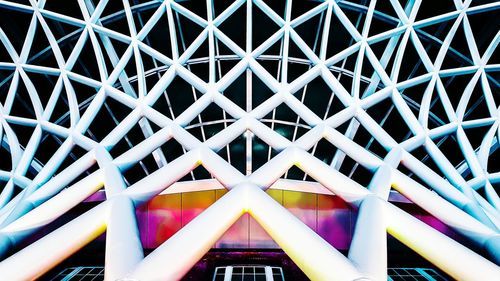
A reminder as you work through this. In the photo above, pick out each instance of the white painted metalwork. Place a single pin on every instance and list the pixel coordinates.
(454, 196)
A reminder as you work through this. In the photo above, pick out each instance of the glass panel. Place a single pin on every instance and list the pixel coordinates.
(219, 278)
(260, 278)
(260, 270)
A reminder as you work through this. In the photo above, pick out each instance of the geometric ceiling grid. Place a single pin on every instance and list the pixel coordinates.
(362, 97)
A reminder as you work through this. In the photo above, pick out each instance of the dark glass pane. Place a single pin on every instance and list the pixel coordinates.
(260, 270)
(219, 277)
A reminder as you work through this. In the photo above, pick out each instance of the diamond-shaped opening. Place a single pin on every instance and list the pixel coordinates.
(6, 76)
(150, 64)
(152, 77)
(178, 96)
(117, 110)
(301, 8)
(384, 53)
(429, 10)
(411, 65)
(278, 7)
(387, 20)
(115, 48)
(366, 140)
(317, 96)
(220, 6)
(22, 105)
(71, 9)
(286, 122)
(118, 22)
(22, 22)
(298, 62)
(475, 135)
(355, 171)
(4, 57)
(130, 72)
(233, 25)
(455, 87)
(437, 30)
(311, 30)
(345, 65)
(107, 118)
(437, 113)
(198, 63)
(186, 31)
(414, 95)
(261, 152)
(260, 90)
(60, 30)
(225, 58)
(86, 63)
(272, 64)
(368, 76)
(324, 151)
(6, 163)
(356, 17)
(450, 147)
(84, 94)
(458, 53)
(235, 152)
(339, 38)
(199, 173)
(60, 113)
(44, 85)
(140, 170)
(209, 122)
(483, 33)
(23, 133)
(49, 144)
(141, 17)
(390, 119)
(259, 34)
(124, 144)
(41, 51)
(237, 91)
(476, 106)
(493, 165)
(427, 36)
(172, 150)
(197, 8)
